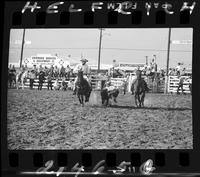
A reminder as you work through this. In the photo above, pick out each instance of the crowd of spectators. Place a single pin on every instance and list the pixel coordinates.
(52, 71)
(150, 70)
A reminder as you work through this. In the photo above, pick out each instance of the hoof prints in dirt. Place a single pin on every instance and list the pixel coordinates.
(55, 120)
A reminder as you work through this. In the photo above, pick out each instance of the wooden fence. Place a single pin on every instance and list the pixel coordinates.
(156, 86)
(173, 84)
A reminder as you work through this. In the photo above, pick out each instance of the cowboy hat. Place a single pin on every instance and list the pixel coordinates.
(83, 59)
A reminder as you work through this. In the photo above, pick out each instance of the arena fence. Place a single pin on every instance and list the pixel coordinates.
(156, 86)
(173, 82)
(96, 83)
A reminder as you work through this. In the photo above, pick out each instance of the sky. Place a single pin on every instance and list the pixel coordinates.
(129, 45)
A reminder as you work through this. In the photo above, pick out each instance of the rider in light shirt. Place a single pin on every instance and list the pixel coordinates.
(108, 85)
(86, 71)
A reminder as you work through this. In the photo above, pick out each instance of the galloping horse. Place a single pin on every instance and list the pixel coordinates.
(21, 78)
(138, 88)
(82, 88)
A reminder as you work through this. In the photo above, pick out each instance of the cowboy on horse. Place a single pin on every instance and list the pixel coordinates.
(86, 71)
(138, 88)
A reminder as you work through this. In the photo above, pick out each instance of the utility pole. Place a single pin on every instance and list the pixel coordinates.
(146, 60)
(22, 48)
(154, 58)
(167, 67)
(99, 57)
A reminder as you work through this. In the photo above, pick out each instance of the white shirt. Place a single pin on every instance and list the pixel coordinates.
(178, 68)
(85, 68)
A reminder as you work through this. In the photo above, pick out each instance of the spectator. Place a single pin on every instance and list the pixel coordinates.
(40, 68)
(13, 70)
(35, 68)
(51, 71)
(153, 66)
(56, 72)
(178, 69)
(56, 85)
(63, 84)
(32, 77)
(49, 81)
(46, 70)
(10, 66)
(183, 71)
(62, 71)
(41, 79)
(180, 84)
(173, 72)
(170, 73)
(22, 68)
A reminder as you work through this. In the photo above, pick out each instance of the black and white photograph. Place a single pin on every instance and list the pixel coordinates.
(100, 88)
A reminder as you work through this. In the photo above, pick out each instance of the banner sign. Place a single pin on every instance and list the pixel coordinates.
(132, 65)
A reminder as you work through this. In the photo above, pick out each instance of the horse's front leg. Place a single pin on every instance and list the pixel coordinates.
(79, 98)
(142, 99)
(107, 101)
(22, 85)
(139, 100)
(14, 83)
(82, 100)
(17, 84)
(136, 97)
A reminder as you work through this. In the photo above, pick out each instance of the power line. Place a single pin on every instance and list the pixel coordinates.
(48, 48)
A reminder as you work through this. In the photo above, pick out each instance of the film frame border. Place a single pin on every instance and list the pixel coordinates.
(163, 159)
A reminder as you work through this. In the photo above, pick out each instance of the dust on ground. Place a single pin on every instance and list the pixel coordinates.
(55, 120)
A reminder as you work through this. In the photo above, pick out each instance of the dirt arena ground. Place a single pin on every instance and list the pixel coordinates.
(55, 120)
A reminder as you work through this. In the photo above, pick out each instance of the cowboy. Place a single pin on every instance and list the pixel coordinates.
(40, 69)
(49, 81)
(41, 79)
(31, 78)
(178, 69)
(56, 71)
(62, 71)
(21, 71)
(51, 71)
(68, 71)
(180, 84)
(86, 71)
(108, 85)
(63, 84)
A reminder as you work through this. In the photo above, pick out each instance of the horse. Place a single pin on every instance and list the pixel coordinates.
(11, 78)
(82, 88)
(21, 78)
(138, 88)
(106, 95)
